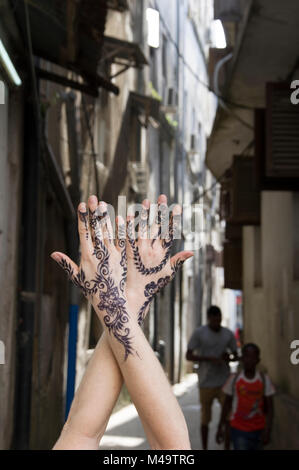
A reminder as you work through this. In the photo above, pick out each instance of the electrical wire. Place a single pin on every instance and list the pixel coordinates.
(94, 155)
(247, 148)
(218, 180)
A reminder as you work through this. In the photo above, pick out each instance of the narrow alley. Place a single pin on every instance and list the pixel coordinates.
(149, 224)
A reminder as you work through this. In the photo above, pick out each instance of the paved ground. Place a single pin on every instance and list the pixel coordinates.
(125, 430)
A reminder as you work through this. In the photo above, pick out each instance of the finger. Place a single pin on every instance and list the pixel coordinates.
(120, 235)
(96, 231)
(144, 220)
(131, 241)
(105, 223)
(84, 231)
(172, 227)
(155, 230)
(175, 229)
(177, 260)
(165, 221)
(70, 268)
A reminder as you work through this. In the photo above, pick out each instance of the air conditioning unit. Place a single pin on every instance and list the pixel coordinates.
(232, 263)
(171, 101)
(277, 140)
(193, 143)
(138, 175)
(240, 194)
(194, 166)
(208, 35)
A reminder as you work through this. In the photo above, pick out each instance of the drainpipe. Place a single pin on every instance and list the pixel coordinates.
(73, 246)
(218, 67)
(72, 349)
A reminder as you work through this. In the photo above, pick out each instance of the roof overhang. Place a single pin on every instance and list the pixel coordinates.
(123, 53)
(69, 34)
(266, 51)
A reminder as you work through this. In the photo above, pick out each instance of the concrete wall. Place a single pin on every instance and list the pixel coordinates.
(11, 138)
(271, 304)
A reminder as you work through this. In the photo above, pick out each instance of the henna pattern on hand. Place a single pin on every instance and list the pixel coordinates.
(161, 219)
(84, 218)
(93, 221)
(152, 288)
(123, 261)
(111, 300)
(136, 255)
(97, 220)
(87, 287)
(143, 224)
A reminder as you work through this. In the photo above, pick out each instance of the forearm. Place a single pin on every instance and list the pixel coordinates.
(87, 421)
(196, 358)
(225, 410)
(150, 390)
(94, 399)
(107, 274)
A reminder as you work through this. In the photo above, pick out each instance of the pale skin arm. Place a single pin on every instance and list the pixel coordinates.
(151, 392)
(87, 420)
(89, 416)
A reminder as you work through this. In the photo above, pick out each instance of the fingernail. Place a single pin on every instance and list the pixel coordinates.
(55, 257)
(177, 210)
(92, 200)
(82, 207)
(103, 206)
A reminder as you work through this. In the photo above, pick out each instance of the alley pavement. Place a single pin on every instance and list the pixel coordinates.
(125, 431)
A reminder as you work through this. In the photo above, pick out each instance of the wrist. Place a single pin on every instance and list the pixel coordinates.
(126, 308)
(134, 302)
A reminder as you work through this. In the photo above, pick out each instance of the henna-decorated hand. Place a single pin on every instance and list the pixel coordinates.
(103, 268)
(124, 276)
(150, 267)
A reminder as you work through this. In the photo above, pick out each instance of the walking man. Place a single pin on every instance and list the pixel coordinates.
(213, 343)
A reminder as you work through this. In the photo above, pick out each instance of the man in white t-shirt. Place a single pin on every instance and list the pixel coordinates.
(213, 343)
